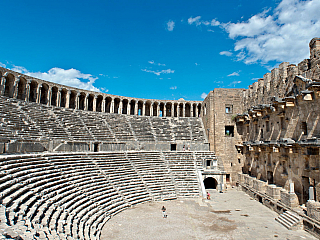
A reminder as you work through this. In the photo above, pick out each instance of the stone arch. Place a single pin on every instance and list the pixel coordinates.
(180, 110)
(108, 104)
(132, 107)
(22, 87)
(116, 105)
(82, 98)
(155, 107)
(44, 93)
(125, 103)
(187, 110)
(194, 110)
(140, 106)
(99, 103)
(298, 189)
(63, 101)
(210, 183)
(161, 108)
(54, 96)
(33, 91)
(199, 109)
(90, 102)
(148, 108)
(9, 85)
(73, 99)
(169, 109)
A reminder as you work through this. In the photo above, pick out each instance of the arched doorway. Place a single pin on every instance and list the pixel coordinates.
(210, 183)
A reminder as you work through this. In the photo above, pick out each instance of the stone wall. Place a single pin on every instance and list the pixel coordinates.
(219, 110)
(279, 127)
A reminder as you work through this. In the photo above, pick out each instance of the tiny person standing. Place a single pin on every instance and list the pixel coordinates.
(164, 211)
(208, 195)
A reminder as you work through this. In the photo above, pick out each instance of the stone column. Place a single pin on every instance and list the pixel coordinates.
(15, 89)
(197, 111)
(49, 96)
(143, 109)
(172, 109)
(191, 110)
(68, 99)
(86, 101)
(39, 93)
(164, 110)
(136, 108)
(291, 187)
(128, 108)
(59, 97)
(103, 107)
(94, 108)
(184, 110)
(3, 80)
(178, 110)
(158, 109)
(151, 109)
(112, 106)
(78, 100)
(27, 97)
(120, 107)
(311, 193)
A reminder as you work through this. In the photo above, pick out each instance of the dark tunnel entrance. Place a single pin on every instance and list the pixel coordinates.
(210, 183)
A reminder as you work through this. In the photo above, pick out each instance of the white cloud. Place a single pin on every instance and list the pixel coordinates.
(234, 83)
(197, 64)
(281, 35)
(234, 74)
(170, 25)
(154, 63)
(197, 22)
(70, 77)
(173, 88)
(2, 65)
(204, 95)
(226, 53)
(167, 71)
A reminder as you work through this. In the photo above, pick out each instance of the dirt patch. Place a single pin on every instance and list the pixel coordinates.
(221, 212)
(224, 219)
(222, 228)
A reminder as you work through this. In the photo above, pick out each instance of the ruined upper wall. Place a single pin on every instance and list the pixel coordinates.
(280, 81)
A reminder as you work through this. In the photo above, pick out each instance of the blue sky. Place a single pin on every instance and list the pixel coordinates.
(155, 49)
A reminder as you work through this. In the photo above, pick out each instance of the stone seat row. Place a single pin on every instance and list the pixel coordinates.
(32, 121)
(72, 196)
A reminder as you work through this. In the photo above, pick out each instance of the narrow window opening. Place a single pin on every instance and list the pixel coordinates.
(228, 178)
(96, 147)
(304, 128)
(208, 163)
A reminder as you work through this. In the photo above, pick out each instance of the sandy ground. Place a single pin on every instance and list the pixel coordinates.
(229, 215)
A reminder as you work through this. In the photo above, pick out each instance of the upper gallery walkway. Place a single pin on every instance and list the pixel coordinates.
(23, 87)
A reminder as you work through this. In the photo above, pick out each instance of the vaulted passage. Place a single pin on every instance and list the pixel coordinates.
(210, 183)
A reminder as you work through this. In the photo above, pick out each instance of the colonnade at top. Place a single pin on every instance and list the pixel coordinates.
(56, 95)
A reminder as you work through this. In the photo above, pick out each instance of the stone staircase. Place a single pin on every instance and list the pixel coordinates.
(290, 220)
